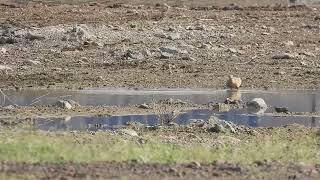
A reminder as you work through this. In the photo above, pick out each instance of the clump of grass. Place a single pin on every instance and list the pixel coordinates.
(82, 147)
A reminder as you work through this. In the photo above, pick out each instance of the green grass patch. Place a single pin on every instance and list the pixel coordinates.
(31, 146)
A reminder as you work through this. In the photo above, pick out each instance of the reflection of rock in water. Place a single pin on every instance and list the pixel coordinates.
(234, 95)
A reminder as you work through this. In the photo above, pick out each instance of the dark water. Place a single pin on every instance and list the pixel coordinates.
(295, 100)
(84, 123)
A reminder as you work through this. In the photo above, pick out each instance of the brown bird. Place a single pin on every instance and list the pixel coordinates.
(234, 82)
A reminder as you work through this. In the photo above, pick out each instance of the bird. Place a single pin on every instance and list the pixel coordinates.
(234, 83)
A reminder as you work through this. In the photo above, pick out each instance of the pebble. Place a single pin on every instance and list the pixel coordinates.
(235, 51)
(33, 62)
(3, 50)
(133, 55)
(281, 109)
(289, 43)
(144, 106)
(4, 67)
(64, 104)
(303, 63)
(166, 55)
(129, 132)
(174, 36)
(172, 50)
(283, 56)
(33, 37)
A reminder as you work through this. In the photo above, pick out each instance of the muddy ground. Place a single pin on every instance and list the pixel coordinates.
(134, 170)
(139, 44)
(131, 46)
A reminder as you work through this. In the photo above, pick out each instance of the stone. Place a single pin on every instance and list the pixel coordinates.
(234, 82)
(303, 63)
(33, 37)
(257, 106)
(280, 73)
(174, 36)
(283, 56)
(169, 50)
(133, 55)
(200, 27)
(289, 43)
(4, 67)
(144, 106)
(223, 140)
(7, 40)
(235, 51)
(79, 33)
(146, 53)
(217, 128)
(308, 54)
(9, 107)
(165, 55)
(129, 132)
(3, 50)
(33, 62)
(63, 104)
(281, 109)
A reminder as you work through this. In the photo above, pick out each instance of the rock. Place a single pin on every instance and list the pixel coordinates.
(280, 73)
(146, 53)
(174, 36)
(283, 56)
(78, 33)
(257, 105)
(204, 46)
(169, 50)
(234, 82)
(133, 55)
(308, 54)
(165, 55)
(33, 62)
(63, 104)
(144, 106)
(200, 27)
(33, 37)
(172, 50)
(265, 33)
(217, 128)
(229, 125)
(281, 109)
(10, 107)
(4, 67)
(288, 43)
(303, 63)
(235, 51)
(129, 132)
(3, 50)
(7, 40)
(225, 140)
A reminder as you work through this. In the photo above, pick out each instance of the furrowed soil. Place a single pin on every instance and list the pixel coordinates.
(156, 44)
